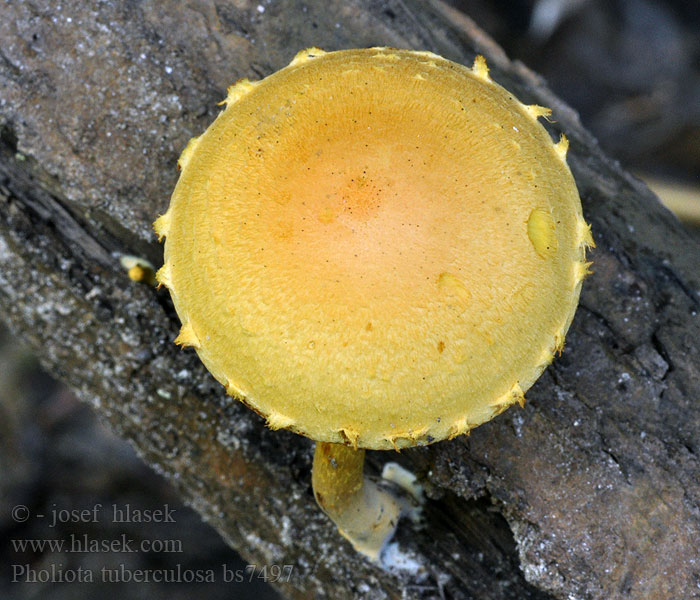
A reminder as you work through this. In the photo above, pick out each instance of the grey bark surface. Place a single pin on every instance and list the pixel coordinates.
(591, 491)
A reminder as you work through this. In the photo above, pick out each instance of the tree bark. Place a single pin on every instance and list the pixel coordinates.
(590, 491)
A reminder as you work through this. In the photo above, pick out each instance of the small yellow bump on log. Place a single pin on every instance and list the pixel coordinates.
(138, 269)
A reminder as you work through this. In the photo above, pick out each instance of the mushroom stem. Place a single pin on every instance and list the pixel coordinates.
(364, 513)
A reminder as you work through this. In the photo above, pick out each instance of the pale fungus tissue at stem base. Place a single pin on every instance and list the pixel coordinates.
(377, 249)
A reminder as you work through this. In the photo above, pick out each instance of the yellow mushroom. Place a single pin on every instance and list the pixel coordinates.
(377, 249)
(138, 269)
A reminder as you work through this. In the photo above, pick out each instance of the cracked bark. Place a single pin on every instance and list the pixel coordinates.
(591, 491)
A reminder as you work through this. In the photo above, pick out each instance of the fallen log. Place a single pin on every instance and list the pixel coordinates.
(590, 491)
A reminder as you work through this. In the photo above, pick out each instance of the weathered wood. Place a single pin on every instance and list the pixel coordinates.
(591, 491)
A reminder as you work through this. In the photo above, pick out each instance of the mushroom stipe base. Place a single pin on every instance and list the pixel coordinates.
(378, 249)
(365, 513)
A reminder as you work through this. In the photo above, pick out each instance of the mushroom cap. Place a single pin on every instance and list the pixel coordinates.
(375, 247)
